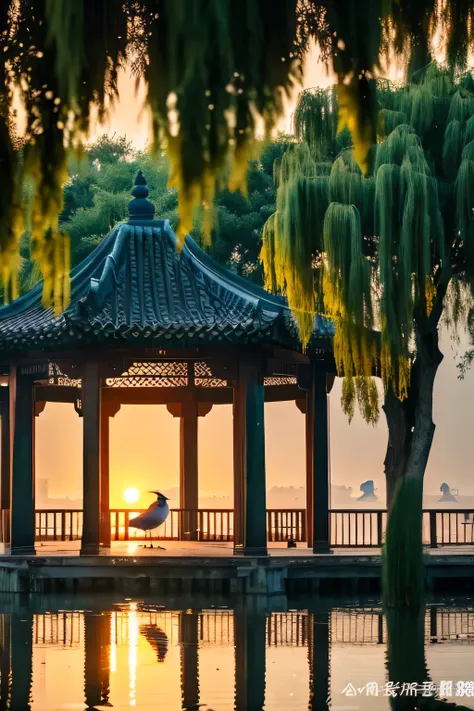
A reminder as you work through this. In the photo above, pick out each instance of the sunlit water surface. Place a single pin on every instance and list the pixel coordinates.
(137, 654)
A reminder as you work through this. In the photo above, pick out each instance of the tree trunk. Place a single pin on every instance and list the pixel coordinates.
(403, 568)
(397, 414)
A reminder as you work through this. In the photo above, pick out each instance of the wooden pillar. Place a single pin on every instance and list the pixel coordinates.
(22, 534)
(96, 664)
(250, 657)
(5, 452)
(309, 469)
(319, 660)
(105, 477)
(91, 458)
(188, 640)
(250, 535)
(433, 625)
(5, 467)
(21, 661)
(188, 478)
(5, 661)
(320, 459)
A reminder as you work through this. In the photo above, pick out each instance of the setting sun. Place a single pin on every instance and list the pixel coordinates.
(131, 495)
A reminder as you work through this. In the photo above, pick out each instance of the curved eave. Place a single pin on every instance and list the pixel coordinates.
(228, 309)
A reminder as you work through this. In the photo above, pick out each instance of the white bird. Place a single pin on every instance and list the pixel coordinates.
(155, 515)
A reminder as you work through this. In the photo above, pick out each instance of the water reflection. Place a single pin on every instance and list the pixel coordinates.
(136, 654)
(97, 659)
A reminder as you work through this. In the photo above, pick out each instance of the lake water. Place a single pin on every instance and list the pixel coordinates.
(131, 653)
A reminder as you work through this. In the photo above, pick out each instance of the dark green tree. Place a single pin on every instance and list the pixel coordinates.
(97, 193)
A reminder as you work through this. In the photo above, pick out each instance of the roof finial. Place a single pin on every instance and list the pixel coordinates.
(140, 208)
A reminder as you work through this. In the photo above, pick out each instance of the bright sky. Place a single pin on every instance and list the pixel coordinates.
(145, 440)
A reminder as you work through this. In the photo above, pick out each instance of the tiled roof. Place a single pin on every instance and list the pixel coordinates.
(136, 287)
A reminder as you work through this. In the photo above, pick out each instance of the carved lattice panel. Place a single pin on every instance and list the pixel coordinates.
(158, 369)
(280, 380)
(155, 374)
(204, 378)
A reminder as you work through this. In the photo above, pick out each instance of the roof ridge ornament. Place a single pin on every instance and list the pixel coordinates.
(140, 208)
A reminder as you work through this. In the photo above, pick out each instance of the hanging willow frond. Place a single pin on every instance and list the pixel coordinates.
(388, 237)
(419, 106)
(44, 51)
(211, 67)
(297, 283)
(205, 75)
(465, 208)
(461, 107)
(315, 120)
(458, 17)
(292, 236)
(388, 120)
(452, 148)
(469, 130)
(89, 39)
(387, 205)
(345, 181)
(356, 103)
(393, 149)
(347, 272)
(367, 398)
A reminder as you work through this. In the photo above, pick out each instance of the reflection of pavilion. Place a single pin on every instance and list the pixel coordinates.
(249, 640)
(150, 325)
(249, 632)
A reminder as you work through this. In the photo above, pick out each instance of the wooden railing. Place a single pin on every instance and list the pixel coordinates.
(58, 525)
(361, 626)
(356, 528)
(451, 528)
(349, 528)
(353, 528)
(284, 525)
(181, 525)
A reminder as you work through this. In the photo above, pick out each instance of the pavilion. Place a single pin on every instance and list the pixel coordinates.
(149, 323)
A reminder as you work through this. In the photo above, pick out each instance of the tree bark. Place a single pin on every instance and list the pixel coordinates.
(428, 360)
(397, 415)
(411, 431)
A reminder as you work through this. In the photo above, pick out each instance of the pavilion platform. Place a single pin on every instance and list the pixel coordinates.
(211, 568)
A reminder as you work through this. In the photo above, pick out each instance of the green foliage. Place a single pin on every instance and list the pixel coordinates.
(388, 120)
(315, 120)
(453, 148)
(293, 235)
(210, 67)
(97, 194)
(387, 234)
(205, 68)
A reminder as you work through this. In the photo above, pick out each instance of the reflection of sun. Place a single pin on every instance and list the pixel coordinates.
(131, 495)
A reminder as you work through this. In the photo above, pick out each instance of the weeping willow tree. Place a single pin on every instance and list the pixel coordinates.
(378, 253)
(212, 69)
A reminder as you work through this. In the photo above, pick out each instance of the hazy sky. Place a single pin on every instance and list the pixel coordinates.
(145, 440)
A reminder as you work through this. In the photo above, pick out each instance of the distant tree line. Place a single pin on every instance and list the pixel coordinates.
(97, 194)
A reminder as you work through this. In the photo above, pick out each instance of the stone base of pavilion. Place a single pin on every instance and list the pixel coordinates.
(191, 567)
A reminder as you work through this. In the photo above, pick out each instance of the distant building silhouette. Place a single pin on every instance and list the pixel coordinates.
(447, 495)
(368, 491)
